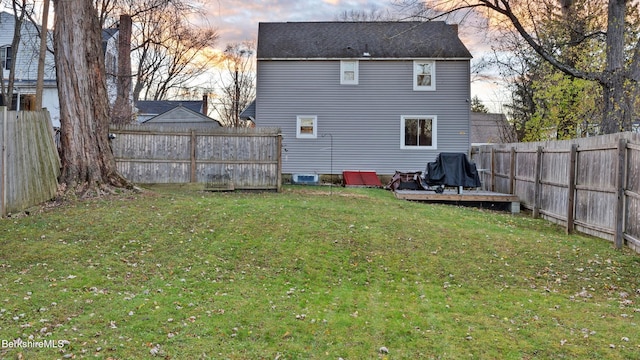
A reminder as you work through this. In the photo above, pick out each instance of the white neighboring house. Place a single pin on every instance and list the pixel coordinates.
(27, 67)
(110, 50)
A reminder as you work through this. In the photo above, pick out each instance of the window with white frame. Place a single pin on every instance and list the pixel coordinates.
(349, 72)
(424, 75)
(418, 132)
(307, 126)
(6, 55)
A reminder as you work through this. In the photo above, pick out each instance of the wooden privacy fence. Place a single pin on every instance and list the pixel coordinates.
(591, 185)
(214, 159)
(29, 164)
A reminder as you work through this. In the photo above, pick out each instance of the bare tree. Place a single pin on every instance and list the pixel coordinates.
(620, 73)
(88, 165)
(168, 52)
(42, 53)
(21, 9)
(372, 14)
(238, 79)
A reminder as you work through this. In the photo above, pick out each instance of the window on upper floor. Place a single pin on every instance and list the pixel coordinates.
(6, 55)
(424, 75)
(418, 132)
(349, 72)
(307, 127)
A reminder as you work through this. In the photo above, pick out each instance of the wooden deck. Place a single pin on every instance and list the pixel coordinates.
(478, 198)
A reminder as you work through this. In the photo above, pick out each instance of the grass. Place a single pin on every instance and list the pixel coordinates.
(309, 273)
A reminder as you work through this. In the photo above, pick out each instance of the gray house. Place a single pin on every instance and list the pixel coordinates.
(183, 117)
(373, 96)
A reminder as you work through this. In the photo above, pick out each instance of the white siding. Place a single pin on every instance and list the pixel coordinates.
(27, 64)
(27, 60)
(363, 119)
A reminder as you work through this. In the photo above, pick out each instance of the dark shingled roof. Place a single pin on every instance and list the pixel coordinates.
(162, 106)
(249, 112)
(339, 40)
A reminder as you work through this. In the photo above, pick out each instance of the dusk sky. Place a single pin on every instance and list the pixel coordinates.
(237, 21)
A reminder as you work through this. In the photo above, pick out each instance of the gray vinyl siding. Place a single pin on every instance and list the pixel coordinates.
(364, 119)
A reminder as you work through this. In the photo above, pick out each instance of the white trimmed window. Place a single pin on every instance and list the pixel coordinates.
(349, 72)
(6, 55)
(424, 75)
(307, 127)
(418, 132)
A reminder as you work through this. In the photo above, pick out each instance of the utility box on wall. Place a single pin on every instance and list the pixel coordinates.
(305, 179)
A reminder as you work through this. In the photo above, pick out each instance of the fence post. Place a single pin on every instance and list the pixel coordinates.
(536, 183)
(571, 188)
(3, 166)
(620, 185)
(279, 175)
(512, 171)
(193, 157)
(493, 169)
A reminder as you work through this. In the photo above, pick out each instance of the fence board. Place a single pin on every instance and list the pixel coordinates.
(594, 209)
(216, 158)
(632, 196)
(29, 165)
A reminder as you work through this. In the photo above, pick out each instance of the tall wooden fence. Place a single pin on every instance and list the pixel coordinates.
(29, 164)
(215, 159)
(591, 185)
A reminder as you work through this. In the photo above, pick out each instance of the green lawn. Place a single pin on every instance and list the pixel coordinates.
(308, 273)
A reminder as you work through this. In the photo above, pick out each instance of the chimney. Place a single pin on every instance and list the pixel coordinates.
(205, 105)
(122, 109)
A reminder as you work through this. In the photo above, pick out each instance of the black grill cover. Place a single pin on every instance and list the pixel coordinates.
(452, 169)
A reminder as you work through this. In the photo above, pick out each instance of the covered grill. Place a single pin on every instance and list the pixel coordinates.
(448, 170)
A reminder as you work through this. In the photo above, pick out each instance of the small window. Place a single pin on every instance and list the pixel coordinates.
(418, 132)
(349, 72)
(6, 55)
(307, 127)
(424, 75)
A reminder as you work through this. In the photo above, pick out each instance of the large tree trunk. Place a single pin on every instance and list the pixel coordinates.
(616, 114)
(87, 161)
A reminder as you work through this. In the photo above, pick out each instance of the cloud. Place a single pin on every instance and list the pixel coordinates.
(237, 21)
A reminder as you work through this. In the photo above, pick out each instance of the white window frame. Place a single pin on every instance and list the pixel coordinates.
(6, 55)
(417, 67)
(434, 132)
(344, 68)
(299, 124)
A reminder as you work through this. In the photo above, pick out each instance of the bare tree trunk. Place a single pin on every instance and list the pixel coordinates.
(42, 54)
(88, 164)
(15, 44)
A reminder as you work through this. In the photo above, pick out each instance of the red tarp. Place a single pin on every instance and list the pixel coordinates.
(361, 178)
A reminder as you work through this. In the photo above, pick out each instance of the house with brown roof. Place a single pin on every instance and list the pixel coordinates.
(376, 96)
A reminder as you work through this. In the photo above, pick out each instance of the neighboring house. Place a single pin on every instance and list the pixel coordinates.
(489, 128)
(375, 96)
(146, 109)
(248, 115)
(176, 113)
(26, 70)
(110, 50)
(181, 116)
